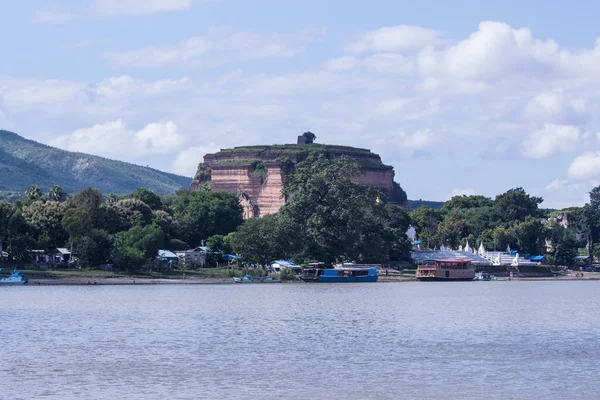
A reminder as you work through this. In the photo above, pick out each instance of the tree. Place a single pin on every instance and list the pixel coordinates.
(200, 215)
(55, 193)
(88, 200)
(516, 205)
(453, 229)
(266, 239)
(134, 211)
(45, 220)
(219, 243)
(425, 221)
(529, 235)
(151, 199)
(6, 212)
(111, 199)
(138, 246)
(19, 242)
(93, 249)
(467, 202)
(33, 192)
(77, 223)
(335, 218)
(564, 243)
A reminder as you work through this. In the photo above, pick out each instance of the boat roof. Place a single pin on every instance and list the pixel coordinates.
(448, 261)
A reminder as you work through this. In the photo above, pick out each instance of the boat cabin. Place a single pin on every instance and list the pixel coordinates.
(445, 270)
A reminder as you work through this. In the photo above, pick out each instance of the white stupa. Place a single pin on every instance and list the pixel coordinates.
(460, 248)
(508, 248)
(481, 249)
(468, 248)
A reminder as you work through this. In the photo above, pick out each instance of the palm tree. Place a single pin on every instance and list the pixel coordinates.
(111, 199)
(33, 192)
(56, 193)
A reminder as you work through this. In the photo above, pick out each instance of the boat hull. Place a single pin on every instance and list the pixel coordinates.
(339, 279)
(443, 279)
(6, 282)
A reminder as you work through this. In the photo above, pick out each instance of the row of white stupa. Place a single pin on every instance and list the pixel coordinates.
(495, 257)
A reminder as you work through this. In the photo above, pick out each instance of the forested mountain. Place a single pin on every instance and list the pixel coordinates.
(24, 162)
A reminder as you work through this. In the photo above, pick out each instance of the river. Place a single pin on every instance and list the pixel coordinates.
(473, 340)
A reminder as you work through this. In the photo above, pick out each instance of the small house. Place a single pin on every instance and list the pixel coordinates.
(63, 255)
(582, 261)
(168, 256)
(278, 265)
(193, 257)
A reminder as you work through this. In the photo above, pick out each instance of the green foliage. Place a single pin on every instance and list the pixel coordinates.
(93, 249)
(328, 217)
(137, 246)
(516, 205)
(33, 192)
(467, 202)
(453, 229)
(398, 195)
(24, 162)
(425, 221)
(88, 200)
(204, 214)
(77, 222)
(44, 219)
(55, 193)
(219, 243)
(203, 173)
(150, 198)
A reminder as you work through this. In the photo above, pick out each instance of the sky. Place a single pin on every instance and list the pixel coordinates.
(461, 97)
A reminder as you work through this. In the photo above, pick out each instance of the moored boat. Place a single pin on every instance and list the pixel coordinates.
(445, 270)
(16, 278)
(348, 275)
(256, 279)
(482, 276)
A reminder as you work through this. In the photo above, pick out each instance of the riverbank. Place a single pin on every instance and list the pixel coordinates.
(199, 279)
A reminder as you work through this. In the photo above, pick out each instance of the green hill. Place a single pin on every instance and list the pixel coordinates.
(24, 162)
(414, 204)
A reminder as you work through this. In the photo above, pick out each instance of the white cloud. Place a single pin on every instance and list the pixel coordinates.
(26, 93)
(419, 140)
(187, 160)
(585, 166)
(551, 139)
(463, 192)
(137, 7)
(493, 51)
(219, 46)
(393, 38)
(557, 184)
(556, 107)
(51, 15)
(114, 139)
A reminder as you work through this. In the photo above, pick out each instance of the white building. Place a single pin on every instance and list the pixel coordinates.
(193, 257)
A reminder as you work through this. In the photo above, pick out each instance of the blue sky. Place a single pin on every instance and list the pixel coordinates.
(460, 97)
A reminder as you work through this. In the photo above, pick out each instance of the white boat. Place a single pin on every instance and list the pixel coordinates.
(16, 278)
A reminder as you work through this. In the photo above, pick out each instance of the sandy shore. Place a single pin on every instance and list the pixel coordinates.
(127, 281)
(215, 281)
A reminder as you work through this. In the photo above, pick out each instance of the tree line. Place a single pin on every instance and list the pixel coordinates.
(513, 219)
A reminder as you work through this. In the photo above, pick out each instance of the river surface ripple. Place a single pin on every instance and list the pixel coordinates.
(472, 340)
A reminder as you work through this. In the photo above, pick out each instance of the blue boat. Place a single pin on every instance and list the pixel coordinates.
(349, 275)
(16, 278)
